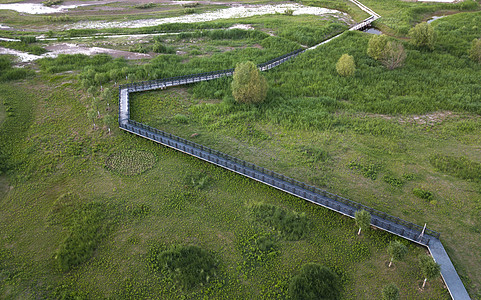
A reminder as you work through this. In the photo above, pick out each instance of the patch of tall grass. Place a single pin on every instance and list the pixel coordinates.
(460, 167)
(292, 225)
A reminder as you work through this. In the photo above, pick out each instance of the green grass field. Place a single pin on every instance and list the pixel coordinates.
(85, 214)
(59, 154)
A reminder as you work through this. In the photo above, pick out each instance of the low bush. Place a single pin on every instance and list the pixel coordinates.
(423, 194)
(315, 282)
(292, 225)
(393, 181)
(188, 266)
(145, 5)
(369, 170)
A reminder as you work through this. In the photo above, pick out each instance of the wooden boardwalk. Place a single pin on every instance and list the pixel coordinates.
(344, 206)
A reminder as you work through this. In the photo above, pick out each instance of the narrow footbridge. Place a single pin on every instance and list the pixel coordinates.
(379, 219)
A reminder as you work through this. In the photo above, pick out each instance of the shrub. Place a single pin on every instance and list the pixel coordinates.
(423, 35)
(161, 48)
(423, 194)
(376, 46)
(5, 62)
(28, 39)
(145, 5)
(390, 292)
(345, 66)
(390, 53)
(475, 50)
(248, 85)
(292, 225)
(393, 181)
(315, 282)
(394, 55)
(188, 266)
(289, 12)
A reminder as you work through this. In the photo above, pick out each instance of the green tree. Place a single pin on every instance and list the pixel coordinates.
(346, 66)
(396, 250)
(390, 53)
(108, 121)
(363, 220)
(423, 35)
(92, 115)
(376, 46)
(248, 85)
(394, 55)
(475, 50)
(390, 292)
(429, 268)
(315, 282)
(105, 96)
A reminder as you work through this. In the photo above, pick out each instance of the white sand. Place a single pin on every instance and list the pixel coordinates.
(36, 8)
(67, 48)
(227, 13)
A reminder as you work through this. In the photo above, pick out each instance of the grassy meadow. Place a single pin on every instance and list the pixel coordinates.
(69, 181)
(88, 214)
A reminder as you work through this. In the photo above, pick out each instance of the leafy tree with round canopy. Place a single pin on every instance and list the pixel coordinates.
(376, 46)
(390, 292)
(429, 268)
(396, 250)
(475, 50)
(390, 53)
(315, 282)
(423, 35)
(346, 66)
(248, 85)
(363, 220)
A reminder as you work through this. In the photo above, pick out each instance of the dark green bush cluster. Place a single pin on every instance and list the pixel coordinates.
(260, 248)
(28, 39)
(222, 34)
(315, 282)
(369, 170)
(86, 231)
(145, 5)
(292, 225)
(52, 2)
(7, 73)
(423, 194)
(393, 181)
(157, 47)
(25, 47)
(460, 167)
(188, 266)
(59, 18)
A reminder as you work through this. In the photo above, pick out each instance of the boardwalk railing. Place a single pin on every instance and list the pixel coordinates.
(332, 201)
(405, 229)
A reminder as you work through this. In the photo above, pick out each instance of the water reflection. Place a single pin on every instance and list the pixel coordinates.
(373, 31)
(434, 18)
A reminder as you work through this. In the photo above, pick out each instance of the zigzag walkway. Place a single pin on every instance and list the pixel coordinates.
(394, 225)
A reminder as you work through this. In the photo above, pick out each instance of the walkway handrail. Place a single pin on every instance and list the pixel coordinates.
(353, 204)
